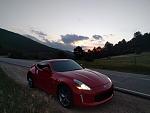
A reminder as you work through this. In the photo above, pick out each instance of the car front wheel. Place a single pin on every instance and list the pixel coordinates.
(65, 96)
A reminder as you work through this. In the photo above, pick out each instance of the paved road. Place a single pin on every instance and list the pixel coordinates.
(130, 81)
(135, 82)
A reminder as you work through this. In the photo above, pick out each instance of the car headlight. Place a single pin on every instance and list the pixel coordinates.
(109, 79)
(81, 85)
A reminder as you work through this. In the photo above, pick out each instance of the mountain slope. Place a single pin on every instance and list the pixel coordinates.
(15, 45)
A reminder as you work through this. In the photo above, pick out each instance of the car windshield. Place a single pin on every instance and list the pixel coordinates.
(65, 65)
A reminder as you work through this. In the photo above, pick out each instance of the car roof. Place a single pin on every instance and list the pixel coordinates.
(53, 60)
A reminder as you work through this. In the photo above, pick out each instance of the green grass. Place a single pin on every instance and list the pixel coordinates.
(124, 63)
(15, 98)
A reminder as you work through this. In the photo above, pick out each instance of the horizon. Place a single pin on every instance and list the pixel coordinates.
(67, 23)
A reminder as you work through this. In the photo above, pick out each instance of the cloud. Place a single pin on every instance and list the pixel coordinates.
(39, 33)
(109, 35)
(59, 45)
(32, 37)
(52, 44)
(70, 38)
(97, 37)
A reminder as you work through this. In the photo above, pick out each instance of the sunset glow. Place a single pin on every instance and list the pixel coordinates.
(112, 20)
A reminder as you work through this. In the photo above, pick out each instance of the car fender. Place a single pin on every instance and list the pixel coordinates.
(66, 81)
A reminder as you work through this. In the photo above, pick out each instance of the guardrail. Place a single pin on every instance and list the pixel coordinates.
(123, 90)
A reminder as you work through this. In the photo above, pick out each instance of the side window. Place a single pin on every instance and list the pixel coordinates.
(46, 66)
(42, 66)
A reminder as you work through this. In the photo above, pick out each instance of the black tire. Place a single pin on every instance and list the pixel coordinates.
(65, 96)
(30, 82)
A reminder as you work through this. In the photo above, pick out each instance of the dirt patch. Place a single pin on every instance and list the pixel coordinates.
(121, 103)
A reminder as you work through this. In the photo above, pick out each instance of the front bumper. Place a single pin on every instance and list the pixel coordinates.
(96, 96)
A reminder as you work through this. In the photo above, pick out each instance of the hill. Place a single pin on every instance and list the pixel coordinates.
(18, 46)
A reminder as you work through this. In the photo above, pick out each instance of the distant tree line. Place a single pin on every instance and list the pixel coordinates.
(138, 44)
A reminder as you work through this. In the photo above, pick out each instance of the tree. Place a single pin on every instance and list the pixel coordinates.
(108, 45)
(108, 48)
(99, 49)
(120, 48)
(137, 34)
(88, 56)
(78, 52)
(138, 42)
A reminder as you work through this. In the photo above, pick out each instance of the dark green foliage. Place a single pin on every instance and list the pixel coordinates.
(138, 44)
(88, 57)
(78, 52)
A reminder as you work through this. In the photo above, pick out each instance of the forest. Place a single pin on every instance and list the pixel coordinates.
(138, 44)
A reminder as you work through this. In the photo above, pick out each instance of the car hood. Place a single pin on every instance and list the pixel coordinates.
(87, 76)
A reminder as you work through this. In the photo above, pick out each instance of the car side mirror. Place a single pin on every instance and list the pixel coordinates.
(47, 69)
(82, 66)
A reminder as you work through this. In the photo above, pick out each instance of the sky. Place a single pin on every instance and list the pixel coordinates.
(66, 24)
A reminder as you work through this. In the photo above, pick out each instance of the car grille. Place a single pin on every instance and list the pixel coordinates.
(104, 95)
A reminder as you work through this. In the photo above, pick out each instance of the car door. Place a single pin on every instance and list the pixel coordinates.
(45, 79)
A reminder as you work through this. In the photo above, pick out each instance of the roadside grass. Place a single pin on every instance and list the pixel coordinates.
(125, 63)
(15, 98)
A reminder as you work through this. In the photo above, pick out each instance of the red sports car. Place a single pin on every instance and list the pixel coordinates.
(72, 84)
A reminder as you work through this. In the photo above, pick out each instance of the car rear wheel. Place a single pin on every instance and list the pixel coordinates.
(65, 96)
(30, 82)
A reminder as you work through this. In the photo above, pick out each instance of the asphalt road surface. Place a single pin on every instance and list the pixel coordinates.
(135, 82)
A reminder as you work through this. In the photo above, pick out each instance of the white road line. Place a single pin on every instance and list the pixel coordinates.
(127, 76)
(136, 93)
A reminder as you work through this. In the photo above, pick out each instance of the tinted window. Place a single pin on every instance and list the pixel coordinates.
(41, 66)
(65, 65)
